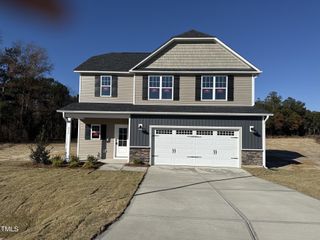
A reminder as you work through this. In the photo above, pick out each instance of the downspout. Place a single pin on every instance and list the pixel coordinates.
(264, 160)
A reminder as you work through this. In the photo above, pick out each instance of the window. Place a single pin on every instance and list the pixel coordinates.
(105, 86)
(95, 131)
(225, 133)
(183, 132)
(204, 132)
(160, 87)
(163, 131)
(214, 88)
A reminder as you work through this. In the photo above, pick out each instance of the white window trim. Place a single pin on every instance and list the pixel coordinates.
(96, 125)
(105, 85)
(214, 88)
(160, 88)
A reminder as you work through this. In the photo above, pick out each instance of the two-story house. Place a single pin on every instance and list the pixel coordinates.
(189, 102)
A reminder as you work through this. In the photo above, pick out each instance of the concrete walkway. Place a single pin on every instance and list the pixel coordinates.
(203, 203)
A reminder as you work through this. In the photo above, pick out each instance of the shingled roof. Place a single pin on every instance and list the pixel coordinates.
(117, 61)
(193, 34)
(130, 108)
(124, 61)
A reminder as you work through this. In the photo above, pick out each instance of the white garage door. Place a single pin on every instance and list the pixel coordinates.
(196, 147)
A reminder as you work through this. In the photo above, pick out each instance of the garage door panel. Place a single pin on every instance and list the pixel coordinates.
(184, 148)
(208, 147)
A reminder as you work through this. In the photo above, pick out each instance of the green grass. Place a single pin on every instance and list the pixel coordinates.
(61, 203)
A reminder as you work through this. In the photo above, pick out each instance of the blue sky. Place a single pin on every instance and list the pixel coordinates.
(279, 37)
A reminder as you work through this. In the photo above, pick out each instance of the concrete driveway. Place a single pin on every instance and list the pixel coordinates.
(208, 203)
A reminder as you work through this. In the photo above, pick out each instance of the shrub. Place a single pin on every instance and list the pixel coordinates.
(57, 161)
(89, 165)
(40, 154)
(74, 164)
(92, 159)
(138, 161)
(74, 158)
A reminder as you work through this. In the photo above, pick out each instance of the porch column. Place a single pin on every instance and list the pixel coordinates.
(68, 139)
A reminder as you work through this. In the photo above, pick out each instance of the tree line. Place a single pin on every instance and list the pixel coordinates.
(291, 117)
(28, 98)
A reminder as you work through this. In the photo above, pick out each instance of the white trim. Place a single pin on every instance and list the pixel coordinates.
(99, 125)
(151, 127)
(214, 89)
(110, 85)
(160, 88)
(195, 72)
(152, 54)
(264, 160)
(128, 142)
(84, 71)
(253, 91)
(238, 55)
(170, 113)
(78, 138)
(134, 90)
(116, 133)
(79, 88)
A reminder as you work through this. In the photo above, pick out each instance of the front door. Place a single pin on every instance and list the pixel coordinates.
(121, 141)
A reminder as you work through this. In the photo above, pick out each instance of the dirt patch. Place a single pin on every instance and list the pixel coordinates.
(21, 152)
(61, 203)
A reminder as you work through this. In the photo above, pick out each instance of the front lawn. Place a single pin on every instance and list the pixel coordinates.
(61, 203)
(303, 180)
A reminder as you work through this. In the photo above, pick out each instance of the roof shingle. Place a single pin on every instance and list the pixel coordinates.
(122, 62)
(117, 107)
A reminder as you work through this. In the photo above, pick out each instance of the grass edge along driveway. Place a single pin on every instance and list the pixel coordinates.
(61, 203)
(306, 181)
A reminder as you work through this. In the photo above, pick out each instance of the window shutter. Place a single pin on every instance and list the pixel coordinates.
(176, 91)
(114, 92)
(198, 88)
(103, 141)
(87, 132)
(97, 86)
(230, 88)
(103, 132)
(145, 87)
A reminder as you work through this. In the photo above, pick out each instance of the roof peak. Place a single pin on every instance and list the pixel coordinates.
(193, 34)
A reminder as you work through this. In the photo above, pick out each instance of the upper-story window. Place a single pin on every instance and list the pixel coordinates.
(214, 87)
(160, 87)
(105, 86)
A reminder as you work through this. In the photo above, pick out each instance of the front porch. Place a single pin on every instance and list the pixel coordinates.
(104, 136)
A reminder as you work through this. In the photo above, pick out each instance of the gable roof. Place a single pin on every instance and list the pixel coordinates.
(135, 61)
(117, 61)
(193, 34)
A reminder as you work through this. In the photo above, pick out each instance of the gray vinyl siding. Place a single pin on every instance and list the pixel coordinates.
(197, 56)
(93, 147)
(242, 93)
(249, 140)
(125, 90)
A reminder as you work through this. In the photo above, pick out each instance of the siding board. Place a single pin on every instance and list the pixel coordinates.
(93, 147)
(242, 93)
(197, 56)
(249, 140)
(124, 91)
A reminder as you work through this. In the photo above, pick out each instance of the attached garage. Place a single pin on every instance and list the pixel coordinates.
(196, 147)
